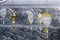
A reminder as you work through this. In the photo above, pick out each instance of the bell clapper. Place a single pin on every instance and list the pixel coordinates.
(46, 32)
(15, 29)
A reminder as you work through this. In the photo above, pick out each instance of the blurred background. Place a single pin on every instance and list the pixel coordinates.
(29, 31)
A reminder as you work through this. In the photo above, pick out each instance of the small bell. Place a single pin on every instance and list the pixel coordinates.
(30, 17)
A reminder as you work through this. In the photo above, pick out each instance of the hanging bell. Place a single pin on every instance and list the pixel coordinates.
(47, 18)
(39, 18)
(30, 17)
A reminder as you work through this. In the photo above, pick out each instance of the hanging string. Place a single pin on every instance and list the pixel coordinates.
(46, 4)
(13, 3)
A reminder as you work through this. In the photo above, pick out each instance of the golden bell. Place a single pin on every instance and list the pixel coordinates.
(13, 17)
